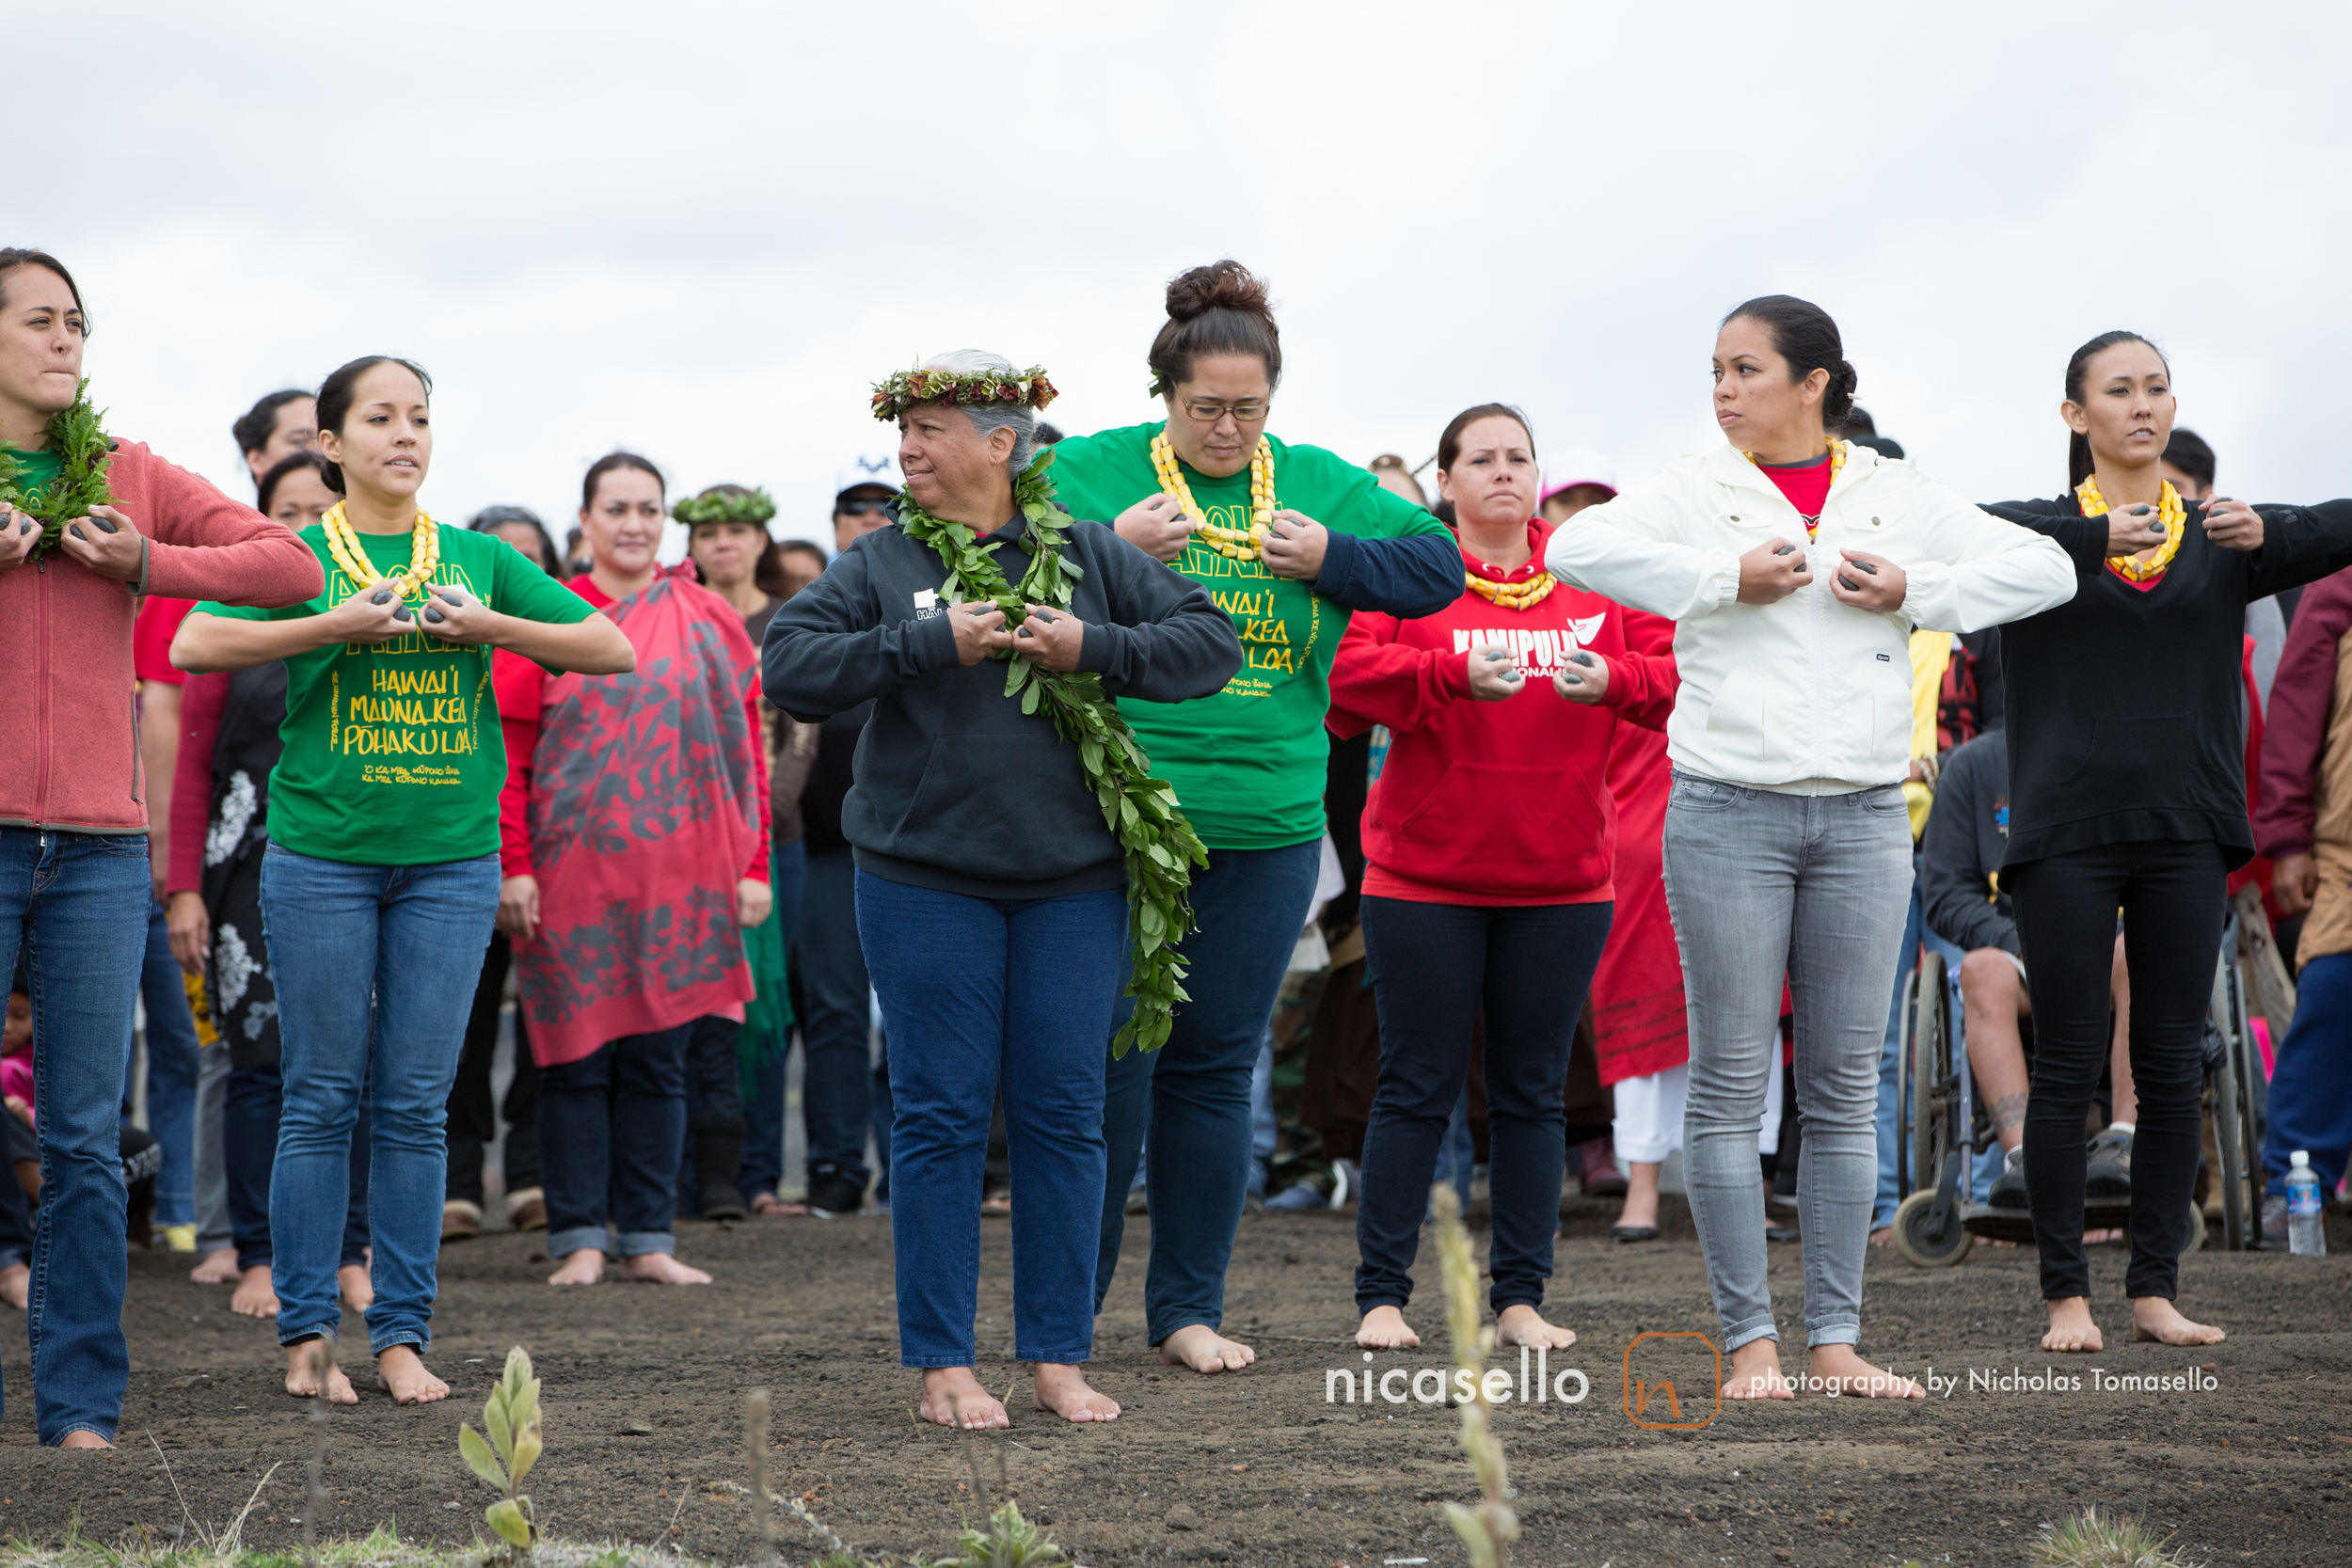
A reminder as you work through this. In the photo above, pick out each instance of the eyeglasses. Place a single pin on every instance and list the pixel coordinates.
(859, 509)
(1208, 411)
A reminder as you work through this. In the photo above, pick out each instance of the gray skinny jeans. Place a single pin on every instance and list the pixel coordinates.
(1815, 887)
(211, 1165)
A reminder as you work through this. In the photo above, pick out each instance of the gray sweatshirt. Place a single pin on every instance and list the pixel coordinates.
(955, 788)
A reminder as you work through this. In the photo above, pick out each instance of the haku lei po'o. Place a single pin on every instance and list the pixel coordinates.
(78, 437)
(1139, 810)
(2169, 511)
(425, 552)
(1231, 543)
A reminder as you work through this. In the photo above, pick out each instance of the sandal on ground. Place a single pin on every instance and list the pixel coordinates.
(460, 1221)
(1633, 1232)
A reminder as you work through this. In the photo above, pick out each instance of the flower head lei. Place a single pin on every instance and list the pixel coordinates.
(1141, 811)
(78, 437)
(725, 503)
(905, 389)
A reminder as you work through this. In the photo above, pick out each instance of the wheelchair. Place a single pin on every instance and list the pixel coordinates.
(1947, 1127)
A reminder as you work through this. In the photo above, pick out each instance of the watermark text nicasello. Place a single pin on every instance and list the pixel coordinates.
(1535, 1384)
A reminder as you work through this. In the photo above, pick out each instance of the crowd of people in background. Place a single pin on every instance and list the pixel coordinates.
(1602, 822)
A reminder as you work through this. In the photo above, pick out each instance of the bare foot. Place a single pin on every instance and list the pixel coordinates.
(1383, 1328)
(1840, 1368)
(1640, 1208)
(2071, 1328)
(1063, 1390)
(84, 1439)
(1524, 1326)
(584, 1267)
(660, 1267)
(359, 1290)
(1882, 1236)
(1756, 1373)
(400, 1372)
(1199, 1346)
(16, 1285)
(256, 1297)
(2100, 1238)
(2155, 1318)
(769, 1203)
(218, 1268)
(953, 1398)
(302, 1378)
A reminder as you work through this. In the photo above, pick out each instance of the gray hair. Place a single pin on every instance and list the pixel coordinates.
(1018, 417)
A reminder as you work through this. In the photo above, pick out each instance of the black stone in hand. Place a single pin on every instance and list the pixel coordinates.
(383, 595)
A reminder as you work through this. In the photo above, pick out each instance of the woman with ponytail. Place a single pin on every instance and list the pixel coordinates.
(1787, 844)
(2127, 790)
(381, 876)
(1288, 540)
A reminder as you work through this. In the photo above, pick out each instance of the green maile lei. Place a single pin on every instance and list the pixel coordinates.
(78, 437)
(750, 506)
(1139, 810)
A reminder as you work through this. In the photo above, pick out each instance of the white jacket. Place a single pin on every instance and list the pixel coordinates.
(1808, 694)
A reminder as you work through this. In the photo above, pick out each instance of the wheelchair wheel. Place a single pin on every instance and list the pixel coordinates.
(2225, 1101)
(1917, 1247)
(1908, 1024)
(1933, 1084)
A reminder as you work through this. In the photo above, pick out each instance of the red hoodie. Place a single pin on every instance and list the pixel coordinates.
(70, 756)
(1494, 803)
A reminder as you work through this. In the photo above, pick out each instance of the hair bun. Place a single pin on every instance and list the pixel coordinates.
(1225, 285)
(1848, 378)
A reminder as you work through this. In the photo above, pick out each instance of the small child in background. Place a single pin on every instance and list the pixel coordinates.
(19, 1151)
(16, 1058)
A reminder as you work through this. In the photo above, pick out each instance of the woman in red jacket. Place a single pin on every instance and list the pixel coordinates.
(1488, 840)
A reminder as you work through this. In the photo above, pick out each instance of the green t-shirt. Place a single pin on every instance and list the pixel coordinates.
(35, 468)
(393, 753)
(1248, 763)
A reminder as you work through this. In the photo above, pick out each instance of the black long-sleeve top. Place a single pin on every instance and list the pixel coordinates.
(2123, 711)
(956, 788)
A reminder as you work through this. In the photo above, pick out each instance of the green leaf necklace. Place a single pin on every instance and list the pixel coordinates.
(78, 437)
(1139, 810)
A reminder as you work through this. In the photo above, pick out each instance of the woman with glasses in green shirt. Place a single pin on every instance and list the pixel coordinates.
(1287, 540)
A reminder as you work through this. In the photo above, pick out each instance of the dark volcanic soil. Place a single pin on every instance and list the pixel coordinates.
(2256, 1468)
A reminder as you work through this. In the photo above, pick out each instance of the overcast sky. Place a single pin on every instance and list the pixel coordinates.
(701, 232)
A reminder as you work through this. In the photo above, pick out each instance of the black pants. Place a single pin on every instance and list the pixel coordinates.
(473, 1115)
(2171, 892)
(1432, 967)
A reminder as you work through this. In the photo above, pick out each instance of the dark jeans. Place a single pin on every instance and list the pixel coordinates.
(473, 1115)
(75, 905)
(172, 1067)
(2171, 892)
(763, 1114)
(248, 1120)
(1432, 967)
(982, 994)
(836, 1030)
(611, 1127)
(1192, 1095)
(2311, 1091)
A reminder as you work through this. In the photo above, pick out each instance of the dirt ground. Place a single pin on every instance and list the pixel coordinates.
(1257, 1468)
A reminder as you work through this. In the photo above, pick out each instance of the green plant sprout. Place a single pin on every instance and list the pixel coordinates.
(1010, 1542)
(512, 1415)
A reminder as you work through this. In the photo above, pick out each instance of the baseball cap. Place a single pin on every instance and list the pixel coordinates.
(1578, 465)
(874, 469)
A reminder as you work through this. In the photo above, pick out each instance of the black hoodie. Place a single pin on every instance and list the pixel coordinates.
(956, 788)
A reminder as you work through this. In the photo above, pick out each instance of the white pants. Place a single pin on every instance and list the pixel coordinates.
(1648, 1123)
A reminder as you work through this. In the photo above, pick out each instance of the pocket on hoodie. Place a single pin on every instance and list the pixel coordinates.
(991, 805)
(1515, 831)
(1739, 719)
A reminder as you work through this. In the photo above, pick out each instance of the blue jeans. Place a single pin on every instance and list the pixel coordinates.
(1192, 1095)
(249, 1116)
(837, 1032)
(417, 934)
(982, 994)
(2310, 1086)
(75, 905)
(611, 1131)
(172, 1067)
(763, 1114)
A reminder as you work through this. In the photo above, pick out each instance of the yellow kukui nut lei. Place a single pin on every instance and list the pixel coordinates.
(1231, 543)
(2169, 511)
(1513, 595)
(1836, 461)
(425, 552)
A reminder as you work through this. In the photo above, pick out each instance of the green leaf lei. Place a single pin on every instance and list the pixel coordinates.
(1139, 810)
(78, 437)
(744, 506)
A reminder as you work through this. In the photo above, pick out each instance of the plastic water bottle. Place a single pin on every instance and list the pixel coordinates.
(2306, 1235)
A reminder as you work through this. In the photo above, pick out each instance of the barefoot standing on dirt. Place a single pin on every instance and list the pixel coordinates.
(381, 879)
(992, 899)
